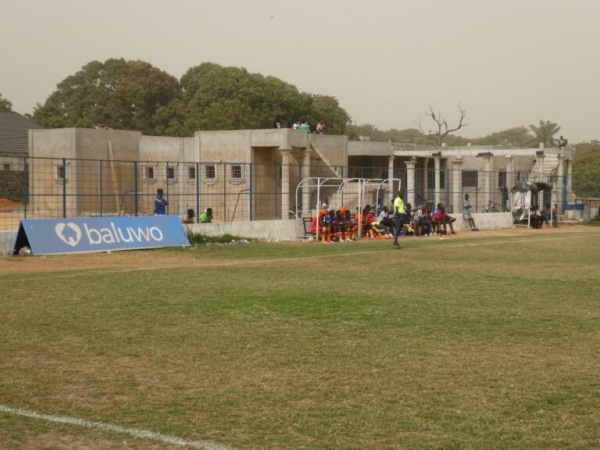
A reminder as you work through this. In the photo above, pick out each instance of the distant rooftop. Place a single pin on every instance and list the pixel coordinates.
(14, 133)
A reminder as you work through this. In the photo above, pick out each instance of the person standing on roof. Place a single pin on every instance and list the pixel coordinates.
(304, 126)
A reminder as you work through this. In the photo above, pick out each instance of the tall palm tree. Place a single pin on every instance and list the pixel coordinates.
(545, 132)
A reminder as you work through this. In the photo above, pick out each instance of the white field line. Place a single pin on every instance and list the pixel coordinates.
(144, 434)
(403, 249)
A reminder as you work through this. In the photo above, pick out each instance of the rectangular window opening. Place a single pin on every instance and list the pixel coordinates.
(469, 178)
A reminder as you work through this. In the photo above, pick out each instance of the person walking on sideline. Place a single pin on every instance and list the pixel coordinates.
(398, 217)
(160, 202)
(467, 213)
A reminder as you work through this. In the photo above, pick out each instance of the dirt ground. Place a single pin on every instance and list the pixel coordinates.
(147, 260)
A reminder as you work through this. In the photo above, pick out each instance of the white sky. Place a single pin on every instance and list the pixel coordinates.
(509, 63)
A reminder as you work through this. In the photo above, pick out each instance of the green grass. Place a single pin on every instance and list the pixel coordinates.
(487, 343)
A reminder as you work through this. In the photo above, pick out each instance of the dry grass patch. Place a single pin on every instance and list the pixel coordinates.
(468, 343)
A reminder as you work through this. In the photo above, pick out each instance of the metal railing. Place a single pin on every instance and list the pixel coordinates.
(63, 188)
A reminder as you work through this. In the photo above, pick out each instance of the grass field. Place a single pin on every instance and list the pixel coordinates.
(479, 341)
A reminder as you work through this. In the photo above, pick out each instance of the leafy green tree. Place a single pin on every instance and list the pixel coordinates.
(366, 130)
(328, 110)
(586, 169)
(544, 133)
(512, 137)
(117, 93)
(228, 98)
(5, 105)
(406, 136)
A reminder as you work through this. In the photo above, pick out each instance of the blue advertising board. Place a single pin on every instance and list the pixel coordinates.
(99, 234)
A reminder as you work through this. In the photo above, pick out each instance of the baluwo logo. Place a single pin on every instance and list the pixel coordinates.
(72, 234)
(69, 233)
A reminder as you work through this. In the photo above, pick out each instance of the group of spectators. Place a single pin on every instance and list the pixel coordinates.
(299, 125)
(342, 226)
(160, 209)
(205, 217)
(541, 219)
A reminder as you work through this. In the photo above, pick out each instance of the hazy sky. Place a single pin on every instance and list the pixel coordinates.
(508, 63)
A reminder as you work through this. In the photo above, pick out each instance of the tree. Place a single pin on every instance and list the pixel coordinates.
(134, 95)
(365, 130)
(512, 137)
(406, 136)
(544, 133)
(441, 129)
(586, 169)
(229, 98)
(328, 110)
(5, 105)
(119, 94)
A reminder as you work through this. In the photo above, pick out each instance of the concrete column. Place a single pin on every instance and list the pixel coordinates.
(510, 175)
(569, 175)
(425, 180)
(540, 177)
(410, 180)
(510, 179)
(487, 178)
(391, 180)
(456, 184)
(286, 158)
(436, 188)
(306, 206)
(559, 187)
(540, 159)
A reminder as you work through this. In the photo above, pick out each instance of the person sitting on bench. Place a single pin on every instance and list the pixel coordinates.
(441, 220)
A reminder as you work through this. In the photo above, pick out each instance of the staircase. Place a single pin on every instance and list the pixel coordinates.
(550, 165)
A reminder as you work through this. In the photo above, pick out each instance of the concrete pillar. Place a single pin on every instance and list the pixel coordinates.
(306, 187)
(540, 177)
(436, 188)
(488, 192)
(410, 180)
(457, 184)
(559, 187)
(391, 195)
(510, 174)
(510, 179)
(425, 178)
(569, 163)
(540, 159)
(286, 158)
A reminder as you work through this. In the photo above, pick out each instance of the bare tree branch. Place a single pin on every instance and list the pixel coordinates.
(441, 124)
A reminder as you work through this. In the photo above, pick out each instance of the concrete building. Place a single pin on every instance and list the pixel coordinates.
(124, 166)
(252, 166)
(445, 174)
(254, 179)
(14, 149)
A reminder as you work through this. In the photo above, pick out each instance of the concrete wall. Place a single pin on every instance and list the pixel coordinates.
(266, 230)
(334, 149)
(224, 146)
(7, 242)
(111, 177)
(287, 230)
(485, 221)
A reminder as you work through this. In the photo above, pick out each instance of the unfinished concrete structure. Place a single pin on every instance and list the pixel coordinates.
(445, 174)
(122, 165)
(75, 163)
